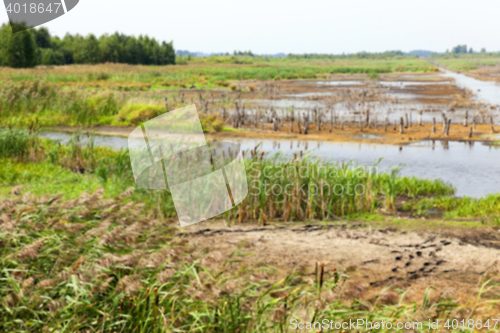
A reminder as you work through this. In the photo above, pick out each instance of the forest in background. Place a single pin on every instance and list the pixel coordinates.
(34, 47)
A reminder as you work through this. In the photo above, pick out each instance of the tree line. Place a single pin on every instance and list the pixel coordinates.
(34, 47)
(463, 49)
(359, 55)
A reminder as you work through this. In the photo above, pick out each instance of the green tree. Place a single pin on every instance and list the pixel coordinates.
(86, 50)
(167, 54)
(42, 38)
(37, 46)
(19, 49)
(51, 57)
(92, 49)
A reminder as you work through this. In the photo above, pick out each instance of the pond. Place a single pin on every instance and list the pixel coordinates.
(473, 168)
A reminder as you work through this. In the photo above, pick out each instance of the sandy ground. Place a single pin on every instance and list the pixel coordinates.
(454, 261)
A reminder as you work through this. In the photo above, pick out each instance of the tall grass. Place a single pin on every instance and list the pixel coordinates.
(16, 143)
(462, 207)
(298, 188)
(103, 94)
(25, 103)
(96, 265)
(102, 258)
(205, 70)
(467, 62)
(306, 188)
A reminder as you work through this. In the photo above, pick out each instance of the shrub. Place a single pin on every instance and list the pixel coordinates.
(139, 113)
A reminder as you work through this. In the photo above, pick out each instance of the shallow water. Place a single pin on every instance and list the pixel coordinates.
(114, 142)
(473, 169)
(410, 83)
(485, 91)
(341, 83)
(379, 110)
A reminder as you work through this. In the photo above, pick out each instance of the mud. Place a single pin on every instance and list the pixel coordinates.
(348, 97)
(350, 133)
(454, 261)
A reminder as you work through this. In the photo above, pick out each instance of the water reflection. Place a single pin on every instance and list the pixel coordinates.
(472, 167)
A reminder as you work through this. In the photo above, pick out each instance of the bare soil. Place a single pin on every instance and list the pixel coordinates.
(452, 260)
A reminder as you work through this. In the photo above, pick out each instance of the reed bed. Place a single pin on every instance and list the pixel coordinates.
(107, 94)
(299, 188)
(204, 70)
(306, 188)
(92, 264)
(467, 62)
(82, 250)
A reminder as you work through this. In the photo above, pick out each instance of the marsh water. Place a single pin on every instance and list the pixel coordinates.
(474, 169)
(400, 98)
(485, 91)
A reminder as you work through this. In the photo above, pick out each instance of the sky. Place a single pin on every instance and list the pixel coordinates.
(307, 26)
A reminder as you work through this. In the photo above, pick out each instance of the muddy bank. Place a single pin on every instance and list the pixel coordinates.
(452, 260)
(349, 133)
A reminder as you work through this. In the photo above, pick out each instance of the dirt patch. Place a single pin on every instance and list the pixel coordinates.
(453, 261)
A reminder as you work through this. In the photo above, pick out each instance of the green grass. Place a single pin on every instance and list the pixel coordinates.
(80, 266)
(123, 95)
(109, 260)
(308, 188)
(45, 178)
(25, 103)
(48, 168)
(467, 62)
(463, 207)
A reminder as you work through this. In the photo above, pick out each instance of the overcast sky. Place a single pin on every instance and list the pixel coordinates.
(307, 26)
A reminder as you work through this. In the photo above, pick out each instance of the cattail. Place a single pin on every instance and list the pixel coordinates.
(321, 274)
(335, 275)
(157, 300)
(316, 272)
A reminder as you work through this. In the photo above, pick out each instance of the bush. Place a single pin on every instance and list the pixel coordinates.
(139, 113)
(51, 57)
(15, 142)
(211, 124)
